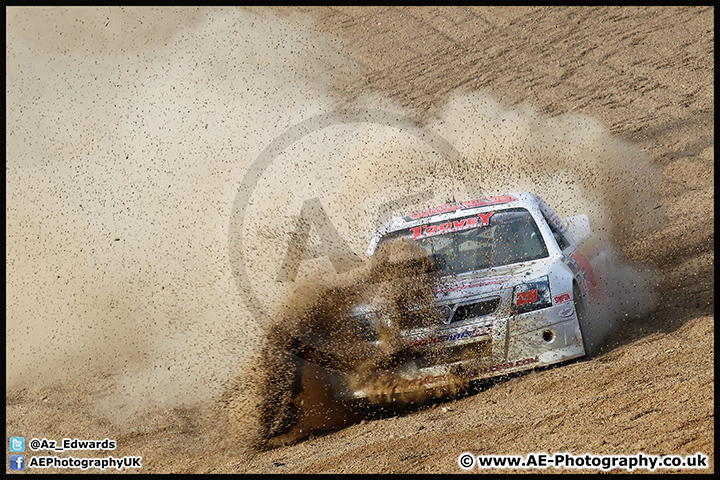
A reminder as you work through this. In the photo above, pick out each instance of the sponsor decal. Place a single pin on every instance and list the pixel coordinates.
(562, 298)
(425, 231)
(505, 366)
(529, 296)
(476, 282)
(566, 312)
(449, 337)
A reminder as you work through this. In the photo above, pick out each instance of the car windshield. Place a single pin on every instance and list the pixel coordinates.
(480, 241)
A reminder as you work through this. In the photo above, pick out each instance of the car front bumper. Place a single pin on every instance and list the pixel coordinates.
(514, 343)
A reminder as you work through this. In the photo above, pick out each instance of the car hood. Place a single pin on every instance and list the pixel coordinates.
(490, 280)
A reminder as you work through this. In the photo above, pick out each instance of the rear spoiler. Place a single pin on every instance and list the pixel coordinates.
(579, 227)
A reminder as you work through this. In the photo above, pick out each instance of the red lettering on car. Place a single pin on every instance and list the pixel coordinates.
(562, 298)
(485, 217)
(459, 223)
(527, 297)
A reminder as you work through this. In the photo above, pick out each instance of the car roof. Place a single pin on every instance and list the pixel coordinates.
(454, 210)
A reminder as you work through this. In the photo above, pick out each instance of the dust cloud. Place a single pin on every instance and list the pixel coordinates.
(572, 161)
(284, 394)
(578, 166)
(128, 131)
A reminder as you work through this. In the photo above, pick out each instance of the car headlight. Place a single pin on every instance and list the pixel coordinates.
(532, 295)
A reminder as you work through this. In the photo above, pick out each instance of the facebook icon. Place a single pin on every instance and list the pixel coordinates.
(17, 462)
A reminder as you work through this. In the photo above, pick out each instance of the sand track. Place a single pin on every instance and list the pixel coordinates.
(647, 74)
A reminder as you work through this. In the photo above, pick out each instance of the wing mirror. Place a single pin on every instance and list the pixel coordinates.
(579, 227)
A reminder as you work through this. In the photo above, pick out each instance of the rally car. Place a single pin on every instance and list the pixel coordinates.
(510, 292)
(455, 294)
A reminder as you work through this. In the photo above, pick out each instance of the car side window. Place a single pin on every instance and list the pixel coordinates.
(559, 238)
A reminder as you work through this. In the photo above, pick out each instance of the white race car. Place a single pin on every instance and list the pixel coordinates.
(511, 292)
(457, 293)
